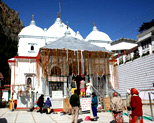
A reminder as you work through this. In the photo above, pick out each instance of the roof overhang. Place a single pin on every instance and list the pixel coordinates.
(144, 37)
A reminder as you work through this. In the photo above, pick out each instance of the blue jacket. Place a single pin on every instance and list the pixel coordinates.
(95, 101)
(48, 102)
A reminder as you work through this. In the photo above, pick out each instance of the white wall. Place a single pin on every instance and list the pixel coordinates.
(25, 45)
(136, 74)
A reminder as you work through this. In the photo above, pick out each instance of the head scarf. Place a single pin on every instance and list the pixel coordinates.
(134, 91)
(115, 94)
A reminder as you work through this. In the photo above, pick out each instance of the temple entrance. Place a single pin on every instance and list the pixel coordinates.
(56, 86)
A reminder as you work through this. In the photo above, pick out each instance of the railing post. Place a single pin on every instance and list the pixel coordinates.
(150, 105)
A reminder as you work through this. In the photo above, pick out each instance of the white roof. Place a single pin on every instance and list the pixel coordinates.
(123, 46)
(58, 29)
(97, 35)
(32, 30)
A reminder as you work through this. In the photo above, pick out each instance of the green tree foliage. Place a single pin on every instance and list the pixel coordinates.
(146, 26)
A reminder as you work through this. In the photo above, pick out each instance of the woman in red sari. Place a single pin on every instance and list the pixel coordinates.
(136, 106)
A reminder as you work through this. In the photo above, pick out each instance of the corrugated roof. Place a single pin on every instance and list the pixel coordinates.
(72, 43)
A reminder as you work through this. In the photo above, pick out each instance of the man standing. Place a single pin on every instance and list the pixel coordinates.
(75, 103)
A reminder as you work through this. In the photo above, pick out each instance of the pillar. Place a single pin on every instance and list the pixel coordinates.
(150, 48)
(140, 51)
(132, 55)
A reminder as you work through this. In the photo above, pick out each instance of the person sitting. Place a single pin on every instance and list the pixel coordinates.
(48, 105)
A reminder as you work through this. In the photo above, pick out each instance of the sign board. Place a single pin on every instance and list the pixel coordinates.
(85, 103)
(57, 79)
(57, 94)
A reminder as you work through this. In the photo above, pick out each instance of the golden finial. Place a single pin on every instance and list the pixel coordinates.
(32, 17)
(58, 15)
(61, 21)
(67, 24)
(94, 24)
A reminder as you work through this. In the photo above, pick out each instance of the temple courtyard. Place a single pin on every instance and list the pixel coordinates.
(24, 116)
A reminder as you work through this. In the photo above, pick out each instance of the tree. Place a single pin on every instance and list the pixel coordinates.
(146, 26)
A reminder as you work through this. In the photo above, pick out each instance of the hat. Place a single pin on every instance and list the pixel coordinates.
(134, 91)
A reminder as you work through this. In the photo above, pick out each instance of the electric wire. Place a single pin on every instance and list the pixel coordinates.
(131, 27)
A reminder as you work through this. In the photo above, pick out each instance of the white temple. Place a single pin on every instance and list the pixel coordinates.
(23, 67)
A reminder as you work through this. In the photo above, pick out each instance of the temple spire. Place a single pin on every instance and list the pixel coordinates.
(67, 33)
(95, 28)
(67, 24)
(32, 17)
(32, 22)
(60, 8)
(58, 15)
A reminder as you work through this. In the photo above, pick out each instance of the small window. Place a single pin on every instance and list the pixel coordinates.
(32, 48)
(29, 80)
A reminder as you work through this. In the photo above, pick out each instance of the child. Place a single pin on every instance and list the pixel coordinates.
(48, 105)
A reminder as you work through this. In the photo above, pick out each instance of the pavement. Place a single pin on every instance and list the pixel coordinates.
(23, 116)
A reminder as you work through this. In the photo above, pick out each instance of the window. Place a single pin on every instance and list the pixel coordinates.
(32, 48)
(145, 44)
(29, 81)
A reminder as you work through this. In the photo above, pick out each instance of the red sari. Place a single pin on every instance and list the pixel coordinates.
(135, 119)
(136, 105)
(118, 117)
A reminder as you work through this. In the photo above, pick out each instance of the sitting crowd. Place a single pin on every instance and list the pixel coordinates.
(44, 107)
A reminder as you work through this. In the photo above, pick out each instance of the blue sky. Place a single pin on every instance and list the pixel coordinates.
(117, 18)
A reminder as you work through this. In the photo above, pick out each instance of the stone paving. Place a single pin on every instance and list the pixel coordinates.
(20, 116)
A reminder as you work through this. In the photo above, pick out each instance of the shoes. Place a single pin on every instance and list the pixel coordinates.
(94, 119)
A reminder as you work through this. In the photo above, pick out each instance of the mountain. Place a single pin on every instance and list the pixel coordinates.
(10, 26)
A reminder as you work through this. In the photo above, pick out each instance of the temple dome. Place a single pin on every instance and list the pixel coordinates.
(58, 30)
(97, 35)
(32, 30)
